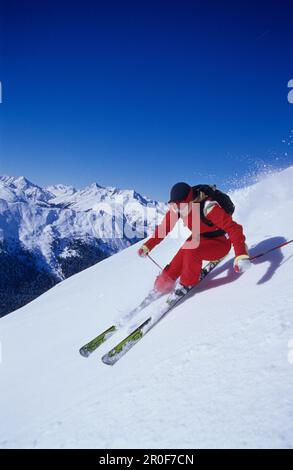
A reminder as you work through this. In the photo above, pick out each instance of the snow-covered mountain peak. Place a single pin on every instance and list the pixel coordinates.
(20, 182)
(93, 188)
(90, 197)
(61, 190)
(23, 182)
(24, 190)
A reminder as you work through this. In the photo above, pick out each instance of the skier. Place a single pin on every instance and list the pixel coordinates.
(218, 231)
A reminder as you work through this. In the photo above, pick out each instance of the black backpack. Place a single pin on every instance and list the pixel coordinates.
(216, 195)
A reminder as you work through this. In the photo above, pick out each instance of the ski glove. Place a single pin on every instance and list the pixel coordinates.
(143, 251)
(241, 263)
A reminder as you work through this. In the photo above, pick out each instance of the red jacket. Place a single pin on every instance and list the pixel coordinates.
(217, 216)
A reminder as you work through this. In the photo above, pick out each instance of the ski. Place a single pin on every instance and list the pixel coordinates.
(127, 343)
(92, 345)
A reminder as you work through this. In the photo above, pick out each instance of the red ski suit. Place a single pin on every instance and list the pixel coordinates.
(187, 263)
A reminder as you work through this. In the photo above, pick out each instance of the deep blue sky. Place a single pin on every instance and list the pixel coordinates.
(143, 94)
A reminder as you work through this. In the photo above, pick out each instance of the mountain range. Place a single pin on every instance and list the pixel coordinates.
(48, 234)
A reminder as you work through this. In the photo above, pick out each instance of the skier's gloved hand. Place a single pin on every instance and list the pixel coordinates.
(241, 263)
(143, 251)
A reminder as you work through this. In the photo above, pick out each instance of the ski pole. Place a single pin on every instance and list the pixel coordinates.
(152, 259)
(271, 249)
(251, 258)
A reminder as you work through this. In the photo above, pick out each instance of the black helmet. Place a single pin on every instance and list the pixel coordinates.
(179, 192)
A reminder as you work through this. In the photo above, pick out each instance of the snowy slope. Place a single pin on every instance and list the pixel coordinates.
(214, 373)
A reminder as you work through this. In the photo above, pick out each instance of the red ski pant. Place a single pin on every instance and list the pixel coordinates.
(187, 263)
